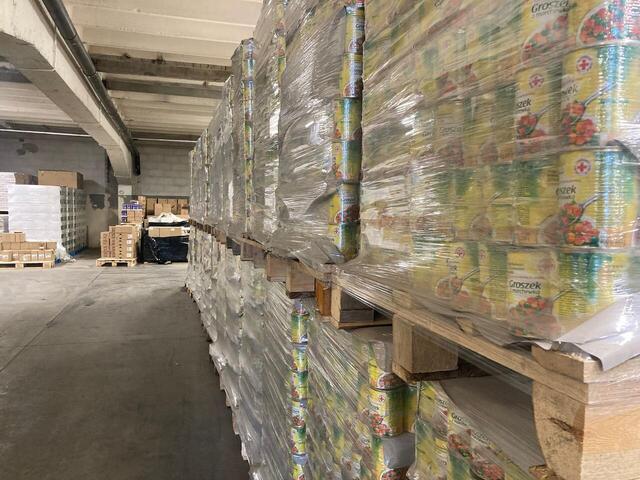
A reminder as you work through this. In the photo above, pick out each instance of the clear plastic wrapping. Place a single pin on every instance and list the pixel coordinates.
(320, 132)
(361, 421)
(243, 91)
(500, 177)
(270, 49)
(479, 428)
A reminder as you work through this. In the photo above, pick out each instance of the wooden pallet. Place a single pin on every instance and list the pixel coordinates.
(116, 262)
(587, 420)
(17, 265)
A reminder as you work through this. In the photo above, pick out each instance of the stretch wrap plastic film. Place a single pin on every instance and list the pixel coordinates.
(360, 424)
(479, 428)
(500, 171)
(270, 49)
(243, 90)
(320, 132)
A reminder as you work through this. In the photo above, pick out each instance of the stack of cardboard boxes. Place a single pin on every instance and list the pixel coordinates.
(120, 242)
(178, 206)
(14, 247)
(132, 212)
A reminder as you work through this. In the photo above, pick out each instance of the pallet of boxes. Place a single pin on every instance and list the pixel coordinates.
(17, 253)
(119, 246)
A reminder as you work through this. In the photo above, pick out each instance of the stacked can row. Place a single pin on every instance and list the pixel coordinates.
(361, 415)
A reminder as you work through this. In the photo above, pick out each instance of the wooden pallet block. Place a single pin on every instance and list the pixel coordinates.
(587, 420)
(276, 268)
(116, 262)
(44, 265)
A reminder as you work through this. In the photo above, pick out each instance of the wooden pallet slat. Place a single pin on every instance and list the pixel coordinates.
(116, 262)
(19, 265)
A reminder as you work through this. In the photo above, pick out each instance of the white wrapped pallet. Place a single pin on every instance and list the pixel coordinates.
(49, 213)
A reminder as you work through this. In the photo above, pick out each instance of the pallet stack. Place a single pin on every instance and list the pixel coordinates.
(498, 200)
(119, 246)
(17, 252)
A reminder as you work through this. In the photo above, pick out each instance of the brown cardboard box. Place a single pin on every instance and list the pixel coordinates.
(165, 232)
(25, 179)
(61, 178)
(7, 237)
(20, 237)
(162, 208)
(6, 255)
(51, 245)
(105, 245)
(150, 205)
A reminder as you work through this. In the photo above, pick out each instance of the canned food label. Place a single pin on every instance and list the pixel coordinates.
(347, 161)
(600, 101)
(351, 76)
(380, 379)
(299, 359)
(354, 30)
(345, 204)
(533, 286)
(386, 412)
(537, 105)
(299, 385)
(597, 21)
(449, 130)
(345, 238)
(598, 198)
(299, 327)
(544, 26)
(348, 119)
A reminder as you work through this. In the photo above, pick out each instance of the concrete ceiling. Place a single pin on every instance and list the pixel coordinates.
(162, 61)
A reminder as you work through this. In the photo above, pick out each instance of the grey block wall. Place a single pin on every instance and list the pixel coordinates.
(30, 153)
(165, 171)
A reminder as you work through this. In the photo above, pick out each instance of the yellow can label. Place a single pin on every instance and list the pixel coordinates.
(386, 412)
(449, 131)
(480, 118)
(598, 198)
(597, 21)
(537, 106)
(533, 286)
(537, 222)
(544, 26)
(600, 99)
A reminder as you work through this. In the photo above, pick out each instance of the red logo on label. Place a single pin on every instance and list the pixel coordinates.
(584, 64)
(536, 81)
(460, 252)
(583, 167)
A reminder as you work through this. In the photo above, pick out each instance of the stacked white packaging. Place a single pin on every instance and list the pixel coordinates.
(49, 213)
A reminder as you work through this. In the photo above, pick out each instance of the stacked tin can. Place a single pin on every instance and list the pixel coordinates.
(361, 414)
(344, 207)
(300, 319)
(243, 65)
(523, 181)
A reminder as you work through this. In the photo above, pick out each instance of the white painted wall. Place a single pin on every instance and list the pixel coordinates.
(165, 171)
(30, 153)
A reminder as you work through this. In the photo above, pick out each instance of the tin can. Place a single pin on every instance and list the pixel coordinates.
(459, 444)
(380, 470)
(346, 161)
(410, 407)
(299, 413)
(354, 30)
(348, 119)
(426, 62)
(345, 238)
(600, 99)
(298, 440)
(344, 206)
(299, 358)
(535, 190)
(299, 327)
(351, 75)
(297, 471)
(598, 198)
(593, 22)
(504, 133)
(299, 385)
(592, 281)
(380, 379)
(480, 117)
(533, 281)
(432, 456)
(544, 26)
(482, 35)
(386, 412)
(485, 461)
(460, 286)
(449, 132)
(492, 291)
(538, 107)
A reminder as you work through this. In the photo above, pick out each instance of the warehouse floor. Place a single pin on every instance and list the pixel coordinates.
(105, 374)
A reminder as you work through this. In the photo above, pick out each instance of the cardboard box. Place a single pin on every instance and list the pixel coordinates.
(61, 178)
(20, 237)
(183, 202)
(6, 255)
(105, 245)
(158, 232)
(25, 179)
(51, 245)
(162, 208)
(150, 205)
(7, 237)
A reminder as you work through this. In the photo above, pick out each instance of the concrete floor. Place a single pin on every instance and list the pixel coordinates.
(105, 374)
